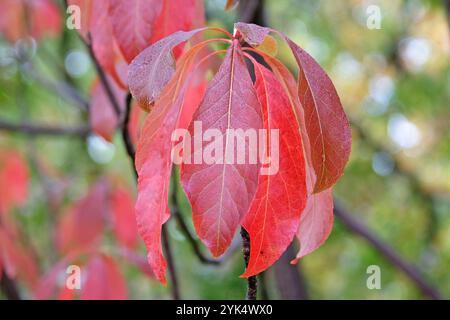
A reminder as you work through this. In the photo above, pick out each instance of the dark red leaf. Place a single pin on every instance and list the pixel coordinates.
(103, 118)
(124, 220)
(274, 215)
(220, 194)
(152, 69)
(133, 23)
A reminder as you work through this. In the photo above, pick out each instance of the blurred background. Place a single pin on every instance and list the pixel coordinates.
(392, 204)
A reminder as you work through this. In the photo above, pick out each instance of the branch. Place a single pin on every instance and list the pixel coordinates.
(171, 265)
(34, 129)
(60, 88)
(103, 79)
(126, 133)
(8, 286)
(386, 250)
(252, 282)
(290, 280)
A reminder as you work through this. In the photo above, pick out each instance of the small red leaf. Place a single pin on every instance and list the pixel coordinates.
(133, 24)
(221, 194)
(103, 281)
(153, 163)
(172, 19)
(274, 215)
(82, 226)
(13, 181)
(103, 118)
(124, 220)
(326, 122)
(152, 69)
(36, 18)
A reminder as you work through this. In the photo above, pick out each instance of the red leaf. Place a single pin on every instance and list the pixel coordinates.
(96, 22)
(17, 260)
(274, 216)
(136, 122)
(173, 19)
(11, 19)
(316, 221)
(326, 122)
(103, 42)
(326, 125)
(36, 18)
(153, 68)
(133, 24)
(13, 181)
(124, 220)
(104, 281)
(153, 163)
(103, 118)
(46, 18)
(82, 226)
(221, 194)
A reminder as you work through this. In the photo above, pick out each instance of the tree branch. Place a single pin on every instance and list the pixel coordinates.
(126, 133)
(34, 129)
(252, 282)
(386, 250)
(170, 264)
(290, 280)
(9, 288)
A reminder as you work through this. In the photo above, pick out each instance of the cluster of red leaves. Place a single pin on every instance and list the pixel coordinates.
(79, 238)
(36, 18)
(107, 205)
(16, 260)
(137, 24)
(315, 141)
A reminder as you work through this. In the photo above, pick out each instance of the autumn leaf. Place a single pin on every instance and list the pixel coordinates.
(104, 280)
(82, 226)
(14, 178)
(123, 218)
(154, 165)
(36, 18)
(220, 194)
(274, 215)
(103, 118)
(150, 72)
(133, 24)
(326, 123)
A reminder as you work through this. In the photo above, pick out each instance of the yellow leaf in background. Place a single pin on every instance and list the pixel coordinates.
(269, 46)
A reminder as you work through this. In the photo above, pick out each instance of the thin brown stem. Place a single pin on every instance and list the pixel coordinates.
(170, 264)
(8, 287)
(252, 282)
(35, 129)
(126, 133)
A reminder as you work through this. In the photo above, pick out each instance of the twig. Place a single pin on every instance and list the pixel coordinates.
(386, 250)
(9, 288)
(252, 282)
(184, 227)
(35, 129)
(170, 264)
(126, 133)
(103, 79)
(61, 88)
